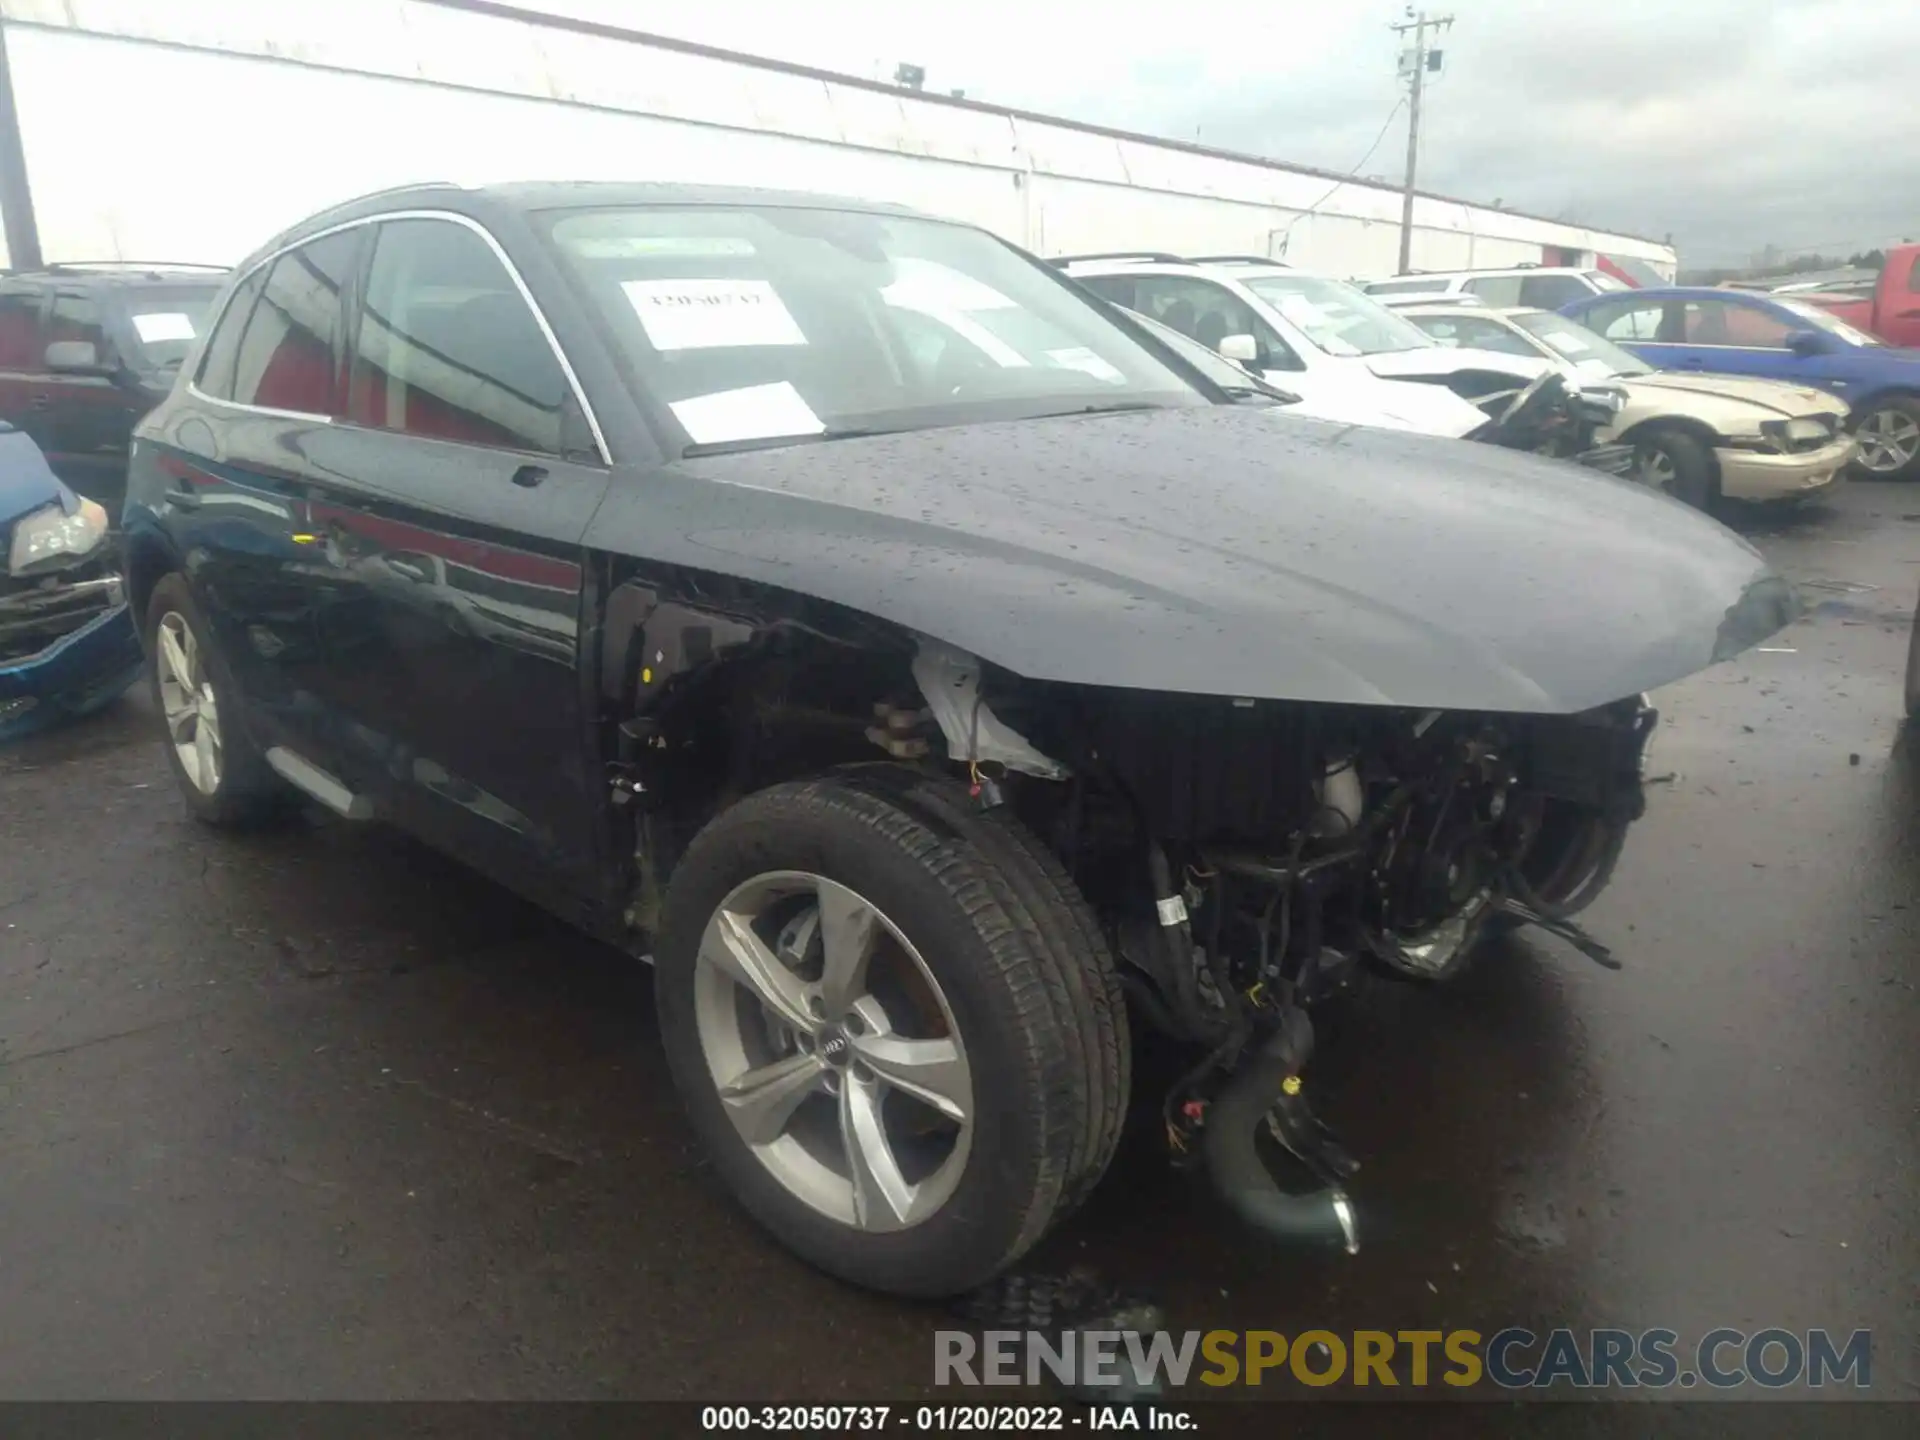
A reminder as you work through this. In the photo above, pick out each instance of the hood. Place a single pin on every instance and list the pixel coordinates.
(1783, 399)
(1227, 551)
(1421, 409)
(1434, 361)
(26, 484)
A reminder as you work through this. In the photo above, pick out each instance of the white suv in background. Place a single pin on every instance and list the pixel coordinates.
(1321, 339)
(1538, 287)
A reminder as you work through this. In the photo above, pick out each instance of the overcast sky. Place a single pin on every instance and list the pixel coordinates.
(1732, 124)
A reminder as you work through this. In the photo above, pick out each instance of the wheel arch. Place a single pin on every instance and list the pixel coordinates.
(147, 559)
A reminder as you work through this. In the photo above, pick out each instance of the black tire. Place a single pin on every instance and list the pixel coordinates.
(247, 791)
(1030, 880)
(1695, 475)
(1913, 669)
(1904, 407)
(1010, 949)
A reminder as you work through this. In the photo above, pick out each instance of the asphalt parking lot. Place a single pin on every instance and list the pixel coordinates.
(315, 1113)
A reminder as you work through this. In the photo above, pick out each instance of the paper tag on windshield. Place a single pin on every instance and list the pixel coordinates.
(163, 325)
(759, 412)
(706, 314)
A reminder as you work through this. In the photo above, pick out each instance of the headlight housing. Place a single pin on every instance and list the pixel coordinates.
(45, 538)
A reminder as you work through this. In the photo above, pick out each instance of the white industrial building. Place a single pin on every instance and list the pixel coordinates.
(192, 132)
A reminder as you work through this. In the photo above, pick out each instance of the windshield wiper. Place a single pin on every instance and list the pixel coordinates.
(1118, 407)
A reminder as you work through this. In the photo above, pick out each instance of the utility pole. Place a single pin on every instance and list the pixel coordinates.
(16, 200)
(1419, 23)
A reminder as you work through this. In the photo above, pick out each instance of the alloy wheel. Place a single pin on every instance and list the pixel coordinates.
(1889, 440)
(187, 699)
(1657, 468)
(834, 1051)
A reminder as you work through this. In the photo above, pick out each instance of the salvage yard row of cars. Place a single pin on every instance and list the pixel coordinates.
(939, 663)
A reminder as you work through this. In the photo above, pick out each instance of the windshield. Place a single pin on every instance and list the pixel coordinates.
(1337, 318)
(769, 323)
(166, 320)
(1591, 353)
(1825, 320)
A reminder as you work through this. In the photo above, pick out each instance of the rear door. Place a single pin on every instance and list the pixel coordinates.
(449, 508)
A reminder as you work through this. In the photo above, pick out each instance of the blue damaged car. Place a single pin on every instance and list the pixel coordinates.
(67, 642)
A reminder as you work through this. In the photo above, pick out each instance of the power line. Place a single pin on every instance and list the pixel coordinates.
(1341, 184)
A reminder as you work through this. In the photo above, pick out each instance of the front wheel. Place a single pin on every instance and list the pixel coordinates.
(222, 776)
(1680, 464)
(1889, 436)
(878, 1018)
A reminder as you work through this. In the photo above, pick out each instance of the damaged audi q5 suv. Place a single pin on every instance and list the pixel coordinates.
(930, 670)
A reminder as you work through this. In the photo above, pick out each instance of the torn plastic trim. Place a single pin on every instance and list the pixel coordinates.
(949, 678)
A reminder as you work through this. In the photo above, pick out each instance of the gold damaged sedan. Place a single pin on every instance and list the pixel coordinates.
(1698, 437)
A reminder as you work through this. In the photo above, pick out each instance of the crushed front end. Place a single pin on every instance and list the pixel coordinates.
(67, 640)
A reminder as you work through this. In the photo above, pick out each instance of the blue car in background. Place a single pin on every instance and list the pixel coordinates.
(1779, 338)
(67, 642)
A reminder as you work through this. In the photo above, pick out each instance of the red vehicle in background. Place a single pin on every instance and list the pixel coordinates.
(1892, 311)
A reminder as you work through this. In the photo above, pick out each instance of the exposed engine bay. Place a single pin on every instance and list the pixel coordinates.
(1250, 856)
(1246, 857)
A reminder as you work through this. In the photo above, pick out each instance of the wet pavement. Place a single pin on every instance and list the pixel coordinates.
(316, 1113)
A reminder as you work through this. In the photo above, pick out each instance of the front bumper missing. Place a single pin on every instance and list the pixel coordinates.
(1761, 475)
(67, 647)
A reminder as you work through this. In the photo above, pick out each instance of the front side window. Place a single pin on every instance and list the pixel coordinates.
(1818, 317)
(284, 359)
(1722, 322)
(1335, 316)
(1625, 320)
(449, 349)
(76, 317)
(762, 324)
(1208, 312)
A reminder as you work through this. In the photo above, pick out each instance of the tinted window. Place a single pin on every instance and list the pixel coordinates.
(1496, 289)
(75, 316)
(448, 348)
(1406, 287)
(285, 359)
(1550, 292)
(215, 376)
(22, 343)
(165, 319)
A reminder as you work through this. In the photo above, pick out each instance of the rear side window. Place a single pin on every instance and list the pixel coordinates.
(448, 347)
(23, 344)
(276, 343)
(1627, 320)
(1550, 292)
(1496, 289)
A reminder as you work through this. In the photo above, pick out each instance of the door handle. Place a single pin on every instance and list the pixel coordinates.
(183, 499)
(528, 476)
(411, 569)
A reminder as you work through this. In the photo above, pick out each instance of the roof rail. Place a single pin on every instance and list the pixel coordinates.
(1157, 257)
(1239, 260)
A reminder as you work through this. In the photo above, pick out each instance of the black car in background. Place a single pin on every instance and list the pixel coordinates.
(929, 669)
(86, 350)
